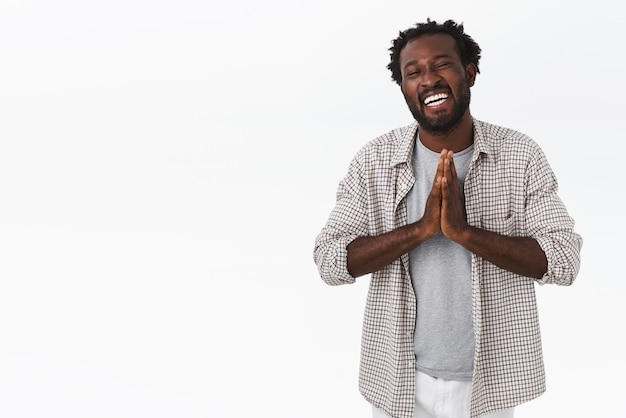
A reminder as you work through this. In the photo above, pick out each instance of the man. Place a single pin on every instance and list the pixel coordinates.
(456, 219)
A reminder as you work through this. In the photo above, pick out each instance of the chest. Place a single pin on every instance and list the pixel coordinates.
(494, 195)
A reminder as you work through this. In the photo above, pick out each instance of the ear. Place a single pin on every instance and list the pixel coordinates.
(470, 72)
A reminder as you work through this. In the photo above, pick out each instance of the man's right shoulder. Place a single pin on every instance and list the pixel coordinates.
(389, 144)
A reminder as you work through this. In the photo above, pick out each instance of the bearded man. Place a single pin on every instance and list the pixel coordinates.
(456, 220)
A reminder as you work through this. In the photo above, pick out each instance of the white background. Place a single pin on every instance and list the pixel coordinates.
(165, 167)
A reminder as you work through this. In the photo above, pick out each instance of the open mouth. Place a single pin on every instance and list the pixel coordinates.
(435, 99)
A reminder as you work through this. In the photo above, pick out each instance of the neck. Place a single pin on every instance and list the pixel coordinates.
(457, 138)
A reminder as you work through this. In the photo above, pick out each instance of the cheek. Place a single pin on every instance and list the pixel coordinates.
(409, 97)
(409, 89)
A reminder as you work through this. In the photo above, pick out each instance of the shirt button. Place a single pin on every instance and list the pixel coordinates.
(408, 333)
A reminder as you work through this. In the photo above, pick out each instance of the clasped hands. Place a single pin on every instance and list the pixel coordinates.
(444, 207)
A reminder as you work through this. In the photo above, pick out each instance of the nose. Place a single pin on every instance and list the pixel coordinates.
(430, 78)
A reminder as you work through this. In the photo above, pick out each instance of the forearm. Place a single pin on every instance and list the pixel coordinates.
(371, 253)
(520, 255)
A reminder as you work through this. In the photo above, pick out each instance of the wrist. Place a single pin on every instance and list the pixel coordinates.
(463, 236)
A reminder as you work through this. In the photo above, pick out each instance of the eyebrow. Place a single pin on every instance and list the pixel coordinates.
(435, 57)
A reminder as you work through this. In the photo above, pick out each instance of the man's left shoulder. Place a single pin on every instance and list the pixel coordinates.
(501, 138)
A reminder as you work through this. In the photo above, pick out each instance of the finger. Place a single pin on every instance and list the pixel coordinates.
(447, 175)
(452, 166)
(440, 170)
(449, 181)
(445, 179)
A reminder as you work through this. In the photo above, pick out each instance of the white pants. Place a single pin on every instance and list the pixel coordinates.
(440, 398)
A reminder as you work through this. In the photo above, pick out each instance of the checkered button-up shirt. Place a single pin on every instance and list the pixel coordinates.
(509, 189)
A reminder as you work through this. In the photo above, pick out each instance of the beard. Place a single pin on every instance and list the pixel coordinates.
(441, 124)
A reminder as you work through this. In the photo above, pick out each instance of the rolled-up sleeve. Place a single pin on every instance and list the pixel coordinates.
(550, 224)
(347, 221)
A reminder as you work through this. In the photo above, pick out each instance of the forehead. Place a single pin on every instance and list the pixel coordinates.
(429, 46)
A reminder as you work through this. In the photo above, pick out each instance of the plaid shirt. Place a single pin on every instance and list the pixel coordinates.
(510, 189)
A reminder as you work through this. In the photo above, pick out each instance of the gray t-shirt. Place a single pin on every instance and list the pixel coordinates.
(441, 274)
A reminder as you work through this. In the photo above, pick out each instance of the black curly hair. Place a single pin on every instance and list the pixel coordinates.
(468, 48)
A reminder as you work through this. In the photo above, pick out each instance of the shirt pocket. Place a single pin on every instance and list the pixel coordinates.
(500, 225)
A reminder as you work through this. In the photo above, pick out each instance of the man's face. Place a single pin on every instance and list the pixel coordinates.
(435, 84)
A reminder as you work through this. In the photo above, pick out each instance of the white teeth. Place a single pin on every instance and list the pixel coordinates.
(435, 99)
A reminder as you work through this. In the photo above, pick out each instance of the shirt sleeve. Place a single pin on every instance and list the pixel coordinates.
(347, 221)
(550, 224)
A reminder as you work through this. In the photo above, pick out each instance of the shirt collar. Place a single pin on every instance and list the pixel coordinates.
(482, 141)
(404, 152)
